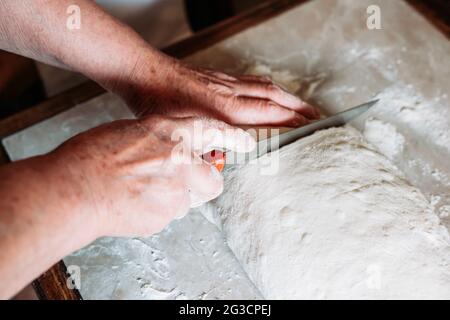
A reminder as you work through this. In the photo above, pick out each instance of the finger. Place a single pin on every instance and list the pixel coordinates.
(253, 111)
(234, 77)
(204, 135)
(220, 75)
(203, 180)
(271, 91)
(253, 78)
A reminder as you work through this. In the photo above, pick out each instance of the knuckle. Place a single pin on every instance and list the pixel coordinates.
(279, 112)
(154, 118)
(232, 103)
(156, 122)
(220, 89)
(224, 76)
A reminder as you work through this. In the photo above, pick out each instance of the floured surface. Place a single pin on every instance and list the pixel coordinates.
(333, 60)
(337, 221)
(337, 62)
(47, 135)
(188, 260)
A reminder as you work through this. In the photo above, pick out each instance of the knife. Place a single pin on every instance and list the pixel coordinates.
(218, 158)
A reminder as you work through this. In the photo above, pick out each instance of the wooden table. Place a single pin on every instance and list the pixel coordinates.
(53, 283)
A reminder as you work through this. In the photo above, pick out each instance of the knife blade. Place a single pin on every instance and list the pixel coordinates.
(336, 120)
(217, 158)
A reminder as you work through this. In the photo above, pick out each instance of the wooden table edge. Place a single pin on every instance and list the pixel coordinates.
(431, 15)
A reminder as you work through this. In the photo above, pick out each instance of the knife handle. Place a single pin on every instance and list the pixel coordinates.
(216, 158)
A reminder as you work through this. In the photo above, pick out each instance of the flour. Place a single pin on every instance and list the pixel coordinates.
(413, 131)
(337, 221)
(385, 137)
(428, 118)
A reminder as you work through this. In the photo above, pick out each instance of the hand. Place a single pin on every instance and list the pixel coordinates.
(238, 100)
(136, 179)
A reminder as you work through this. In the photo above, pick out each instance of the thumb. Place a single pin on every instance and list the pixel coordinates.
(203, 181)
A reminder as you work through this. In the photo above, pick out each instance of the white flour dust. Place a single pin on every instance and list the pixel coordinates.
(414, 132)
(427, 118)
(385, 136)
(337, 221)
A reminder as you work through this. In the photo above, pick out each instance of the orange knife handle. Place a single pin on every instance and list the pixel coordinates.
(216, 158)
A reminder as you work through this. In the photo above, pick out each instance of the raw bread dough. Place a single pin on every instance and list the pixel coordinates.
(338, 220)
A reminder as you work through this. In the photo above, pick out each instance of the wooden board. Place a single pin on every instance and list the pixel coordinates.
(52, 284)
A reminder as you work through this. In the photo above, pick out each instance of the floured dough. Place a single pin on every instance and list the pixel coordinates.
(338, 220)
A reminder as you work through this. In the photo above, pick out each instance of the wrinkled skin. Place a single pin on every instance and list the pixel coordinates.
(136, 178)
(125, 178)
(238, 100)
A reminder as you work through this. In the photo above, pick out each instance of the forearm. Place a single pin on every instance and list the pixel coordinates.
(41, 221)
(119, 179)
(103, 49)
